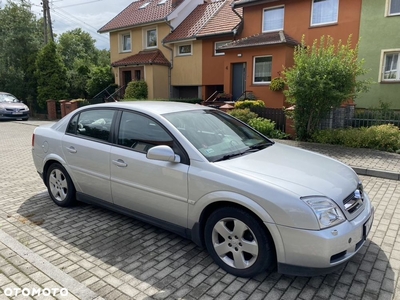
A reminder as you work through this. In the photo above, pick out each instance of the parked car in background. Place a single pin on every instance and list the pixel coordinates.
(11, 108)
(207, 176)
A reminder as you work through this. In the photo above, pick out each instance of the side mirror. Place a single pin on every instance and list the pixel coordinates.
(163, 153)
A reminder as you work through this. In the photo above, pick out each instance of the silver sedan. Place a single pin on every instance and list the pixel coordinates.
(198, 172)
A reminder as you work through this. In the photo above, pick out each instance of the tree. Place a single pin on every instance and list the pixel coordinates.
(323, 77)
(51, 75)
(20, 40)
(79, 54)
(99, 79)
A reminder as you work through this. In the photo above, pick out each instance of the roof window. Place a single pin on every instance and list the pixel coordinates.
(144, 5)
(162, 2)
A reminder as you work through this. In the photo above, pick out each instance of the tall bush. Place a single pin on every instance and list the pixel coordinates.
(136, 90)
(323, 76)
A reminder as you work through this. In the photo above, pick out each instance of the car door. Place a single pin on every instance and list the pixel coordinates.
(87, 149)
(157, 189)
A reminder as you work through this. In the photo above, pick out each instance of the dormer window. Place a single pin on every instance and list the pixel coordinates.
(144, 5)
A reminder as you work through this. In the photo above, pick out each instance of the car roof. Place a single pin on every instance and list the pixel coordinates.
(157, 107)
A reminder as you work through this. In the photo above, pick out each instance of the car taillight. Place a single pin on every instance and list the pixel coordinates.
(33, 140)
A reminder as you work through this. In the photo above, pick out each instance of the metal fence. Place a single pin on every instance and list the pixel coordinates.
(274, 114)
(349, 117)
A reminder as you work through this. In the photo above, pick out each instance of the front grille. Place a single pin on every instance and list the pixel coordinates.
(355, 200)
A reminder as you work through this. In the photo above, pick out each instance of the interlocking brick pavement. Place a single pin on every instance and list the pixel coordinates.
(111, 256)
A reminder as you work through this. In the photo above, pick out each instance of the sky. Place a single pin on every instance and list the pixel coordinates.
(89, 15)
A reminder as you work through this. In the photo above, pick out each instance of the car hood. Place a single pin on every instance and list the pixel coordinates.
(12, 105)
(302, 172)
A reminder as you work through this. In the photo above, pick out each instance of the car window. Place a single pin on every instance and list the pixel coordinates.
(217, 135)
(8, 98)
(140, 133)
(94, 124)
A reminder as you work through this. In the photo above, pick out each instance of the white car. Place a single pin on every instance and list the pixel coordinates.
(198, 172)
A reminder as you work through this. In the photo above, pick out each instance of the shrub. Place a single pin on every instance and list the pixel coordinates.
(249, 104)
(244, 115)
(136, 90)
(382, 137)
(267, 128)
(277, 84)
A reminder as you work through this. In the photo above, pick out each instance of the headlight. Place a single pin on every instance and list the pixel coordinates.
(26, 107)
(327, 212)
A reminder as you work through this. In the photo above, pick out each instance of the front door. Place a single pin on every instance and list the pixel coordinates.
(149, 187)
(238, 80)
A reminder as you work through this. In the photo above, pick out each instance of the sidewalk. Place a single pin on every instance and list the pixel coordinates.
(364, 161)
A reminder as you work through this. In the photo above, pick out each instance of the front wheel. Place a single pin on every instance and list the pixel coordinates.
(238, 242)
(60, 186)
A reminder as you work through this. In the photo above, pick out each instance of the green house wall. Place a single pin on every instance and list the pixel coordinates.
(378, 32)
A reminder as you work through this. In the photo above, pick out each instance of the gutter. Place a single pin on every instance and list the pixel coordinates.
(172, 61)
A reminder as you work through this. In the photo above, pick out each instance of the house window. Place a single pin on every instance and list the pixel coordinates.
(273, 19)
(324, 12)
(185, 49)
(126, 42)
(394, 7)
(262, 69)
(391, 66)
(219, 44)
(151, 38)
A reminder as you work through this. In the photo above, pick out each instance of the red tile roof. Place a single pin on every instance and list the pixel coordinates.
(146, 57)
(133, 15)
(262, 39)
(224, 21)
(207, 19)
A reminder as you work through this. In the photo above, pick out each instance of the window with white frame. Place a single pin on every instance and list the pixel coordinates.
(324, 12)
(391, 66)
(273, 19)
(262, 69)
(126, 45)
(151, 38)
(394, 7)
(219, 44)
(184, 49)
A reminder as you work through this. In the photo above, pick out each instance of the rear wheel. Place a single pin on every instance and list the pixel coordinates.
(60, 186)
(238, 243)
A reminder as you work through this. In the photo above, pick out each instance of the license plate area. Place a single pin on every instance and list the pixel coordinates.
(367, 226)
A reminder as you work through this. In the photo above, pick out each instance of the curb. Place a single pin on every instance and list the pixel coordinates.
(377, 173)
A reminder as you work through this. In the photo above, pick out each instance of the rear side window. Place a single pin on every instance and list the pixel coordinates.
(141, 133)
(94, 124)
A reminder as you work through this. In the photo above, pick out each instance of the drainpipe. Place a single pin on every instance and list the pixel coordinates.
(172, 63)
(240, 17)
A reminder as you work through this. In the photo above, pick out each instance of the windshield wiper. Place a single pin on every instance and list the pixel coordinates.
(261, 146)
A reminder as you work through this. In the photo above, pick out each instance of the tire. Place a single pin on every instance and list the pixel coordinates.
(60, 186)
(238, 243)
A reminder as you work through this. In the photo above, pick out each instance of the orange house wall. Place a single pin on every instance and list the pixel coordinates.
(281, 55)
(297, 23)
(213, 65)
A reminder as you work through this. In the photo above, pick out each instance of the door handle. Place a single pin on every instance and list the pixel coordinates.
(120, 163)
(71, 149)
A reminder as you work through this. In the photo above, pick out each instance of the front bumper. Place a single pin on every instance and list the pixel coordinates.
(308, 253)
(6, 115)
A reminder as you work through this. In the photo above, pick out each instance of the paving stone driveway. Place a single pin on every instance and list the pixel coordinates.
(121, 258)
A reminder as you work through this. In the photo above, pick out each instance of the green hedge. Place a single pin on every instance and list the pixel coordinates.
(382, 137)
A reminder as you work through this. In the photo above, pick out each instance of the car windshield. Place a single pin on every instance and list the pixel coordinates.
(217, 135)
(8, 98)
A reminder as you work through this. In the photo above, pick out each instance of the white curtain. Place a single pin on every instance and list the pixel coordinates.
(273, 19)
(395, 7)
(325, 11)
(263, 69)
